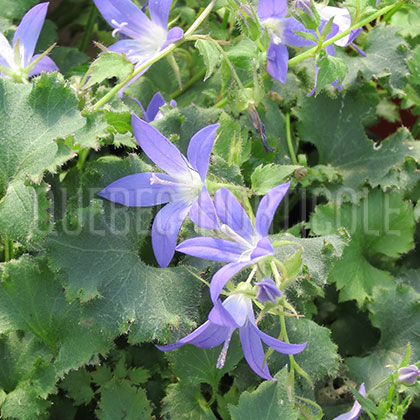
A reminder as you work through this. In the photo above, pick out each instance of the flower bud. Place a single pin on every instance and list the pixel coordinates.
(305, 11)
(268, 291)
(408, 375)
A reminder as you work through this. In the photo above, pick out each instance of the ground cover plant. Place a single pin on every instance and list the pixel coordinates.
(209, 209)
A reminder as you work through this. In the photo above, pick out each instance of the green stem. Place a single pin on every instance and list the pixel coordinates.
(83, 154)
(293, 364)
(229, 63)
(198, 76)
(311, 52)
(84, 44)
(157, 57)
(314, 404)
(8, 248)
(289, 140)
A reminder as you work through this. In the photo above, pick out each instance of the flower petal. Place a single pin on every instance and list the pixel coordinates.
(203, 213)
(277, 61)
(206, 336)
(271, 9)
(165, 230)
(262, 249)
(254, 352)
(28, 31)
(233, 312)
(289, 37)
(342, 20)
(6, 53)
(125, 16)
(356, 410)
(219, 315)
(276, 344)
(159, 149)
(210, 248)
(154, 105)
(138, 191)
(46, 64)
(159, 11)
(232, 214)
(132, 50)
(174, 34)
(268, 206)
(223, 275)
(200, 147)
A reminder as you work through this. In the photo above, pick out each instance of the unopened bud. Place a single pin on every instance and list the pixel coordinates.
(304, 6)
(408, 375)
(306, 12)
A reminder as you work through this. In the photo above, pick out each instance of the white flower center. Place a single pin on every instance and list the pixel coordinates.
(275, 28)
(148, 46)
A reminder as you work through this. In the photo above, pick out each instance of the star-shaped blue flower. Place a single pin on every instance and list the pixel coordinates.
(244, 244)
(236, 312)
(182, 186)
(20, 65)
(272, 15)
(142, 37)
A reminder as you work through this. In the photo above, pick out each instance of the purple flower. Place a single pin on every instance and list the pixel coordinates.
(268, 291)
(236, 313)
(182, 187)
(272, 15)
(142, 37)
(153, 113)
(246, 244)
(356, 410)
(342, 19)
(18, 61)
(408, 375)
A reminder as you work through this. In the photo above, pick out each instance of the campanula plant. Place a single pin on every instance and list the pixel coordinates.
(184, 291)
(17, 61)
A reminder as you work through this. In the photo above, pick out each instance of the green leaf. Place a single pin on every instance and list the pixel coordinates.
(211, 55)
(330, 69)
(121, 290)
(382, 224)
(25, 376)
(386, 53)
(396, 312)
(96, 128)
(407, 20)
(243, 54)
(23, 213)
(414, 66)
(31, 119)
(269, 401)
(318, 254)
(184, 402)
(108, 65)
(232, 143)
(346, 147)
(77, 386)
(33, 300)
(319, 359)
(122, 401)
(264, 178)
(195, 365)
